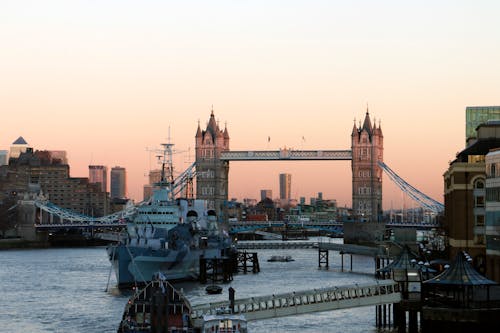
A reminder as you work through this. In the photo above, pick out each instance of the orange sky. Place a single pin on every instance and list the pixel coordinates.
(104, 80)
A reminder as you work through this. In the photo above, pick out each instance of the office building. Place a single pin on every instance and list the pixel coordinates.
(59, 155)
(464, 183)
(266, 194)
(4, 157)
(39, 170)
(98, 174)
(118, 185)
(19, 146)
(477, 115)
(285, 186)
(492, 221)
(154, 178)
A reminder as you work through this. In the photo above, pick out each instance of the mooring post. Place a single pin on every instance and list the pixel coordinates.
(255, 261)
(231, 299)
(203, 269)
(413, 321)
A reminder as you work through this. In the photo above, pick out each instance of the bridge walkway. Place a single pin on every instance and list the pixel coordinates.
(301, 302)
(268, 235)
(254, 245)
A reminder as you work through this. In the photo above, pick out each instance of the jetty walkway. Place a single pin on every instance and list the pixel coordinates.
(301, 302)
(343, 248)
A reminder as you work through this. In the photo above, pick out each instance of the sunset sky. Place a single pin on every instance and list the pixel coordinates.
(104, 80)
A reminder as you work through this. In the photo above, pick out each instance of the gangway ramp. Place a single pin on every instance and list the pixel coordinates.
(268, 235)
(254, 245)
(301, 302)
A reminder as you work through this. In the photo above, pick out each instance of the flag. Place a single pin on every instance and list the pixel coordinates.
(268, 139)
(303, 139)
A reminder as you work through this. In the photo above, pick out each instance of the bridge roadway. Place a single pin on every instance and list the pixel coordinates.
(282, 223)
(83, 223)
(286, 154)
(301, 302)
(75, 225)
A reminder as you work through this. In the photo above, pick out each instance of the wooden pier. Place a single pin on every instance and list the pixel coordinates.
(221, 269)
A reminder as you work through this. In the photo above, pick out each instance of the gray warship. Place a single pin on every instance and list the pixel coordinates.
(168, 235)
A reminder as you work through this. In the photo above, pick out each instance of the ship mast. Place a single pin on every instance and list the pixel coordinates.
(167, 167)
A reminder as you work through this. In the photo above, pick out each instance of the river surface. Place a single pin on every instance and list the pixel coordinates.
(63, 290)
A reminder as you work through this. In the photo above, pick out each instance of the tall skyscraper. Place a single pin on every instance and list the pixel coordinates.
(19, 146)
(118, 184)
(98, 174)
(154, 178)
(285, 186)
(266, 194)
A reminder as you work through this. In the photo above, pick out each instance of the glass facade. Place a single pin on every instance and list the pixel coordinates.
(476, 115)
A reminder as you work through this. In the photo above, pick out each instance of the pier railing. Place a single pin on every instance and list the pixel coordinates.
(252, 245)
(301, 302)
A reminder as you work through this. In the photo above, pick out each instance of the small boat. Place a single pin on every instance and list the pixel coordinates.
(213, 289)
(224, 322)
(158, 307)
(280, 259)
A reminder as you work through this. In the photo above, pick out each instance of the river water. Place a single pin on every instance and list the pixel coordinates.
(63, 290)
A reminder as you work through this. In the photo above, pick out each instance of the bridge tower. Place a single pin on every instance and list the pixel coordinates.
(212, 173)
(367, 144)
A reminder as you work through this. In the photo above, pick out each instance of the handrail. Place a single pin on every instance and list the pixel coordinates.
(305, 298)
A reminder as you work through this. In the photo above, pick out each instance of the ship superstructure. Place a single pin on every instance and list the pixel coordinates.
(168, 234)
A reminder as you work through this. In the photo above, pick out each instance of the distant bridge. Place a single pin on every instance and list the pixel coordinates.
(344, 248)
(301, 302)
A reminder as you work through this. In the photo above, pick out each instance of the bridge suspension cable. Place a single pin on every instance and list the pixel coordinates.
(421, 198)
(183, 181)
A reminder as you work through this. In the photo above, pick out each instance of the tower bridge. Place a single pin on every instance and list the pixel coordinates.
(213, 156)
(211, 170)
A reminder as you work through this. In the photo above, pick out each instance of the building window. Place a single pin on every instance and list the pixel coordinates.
(493, 170)
(479, 240)
(478, 184)
(480, 220)
(479, 201)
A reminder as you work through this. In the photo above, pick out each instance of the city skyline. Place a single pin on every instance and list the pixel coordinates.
(105, 81)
